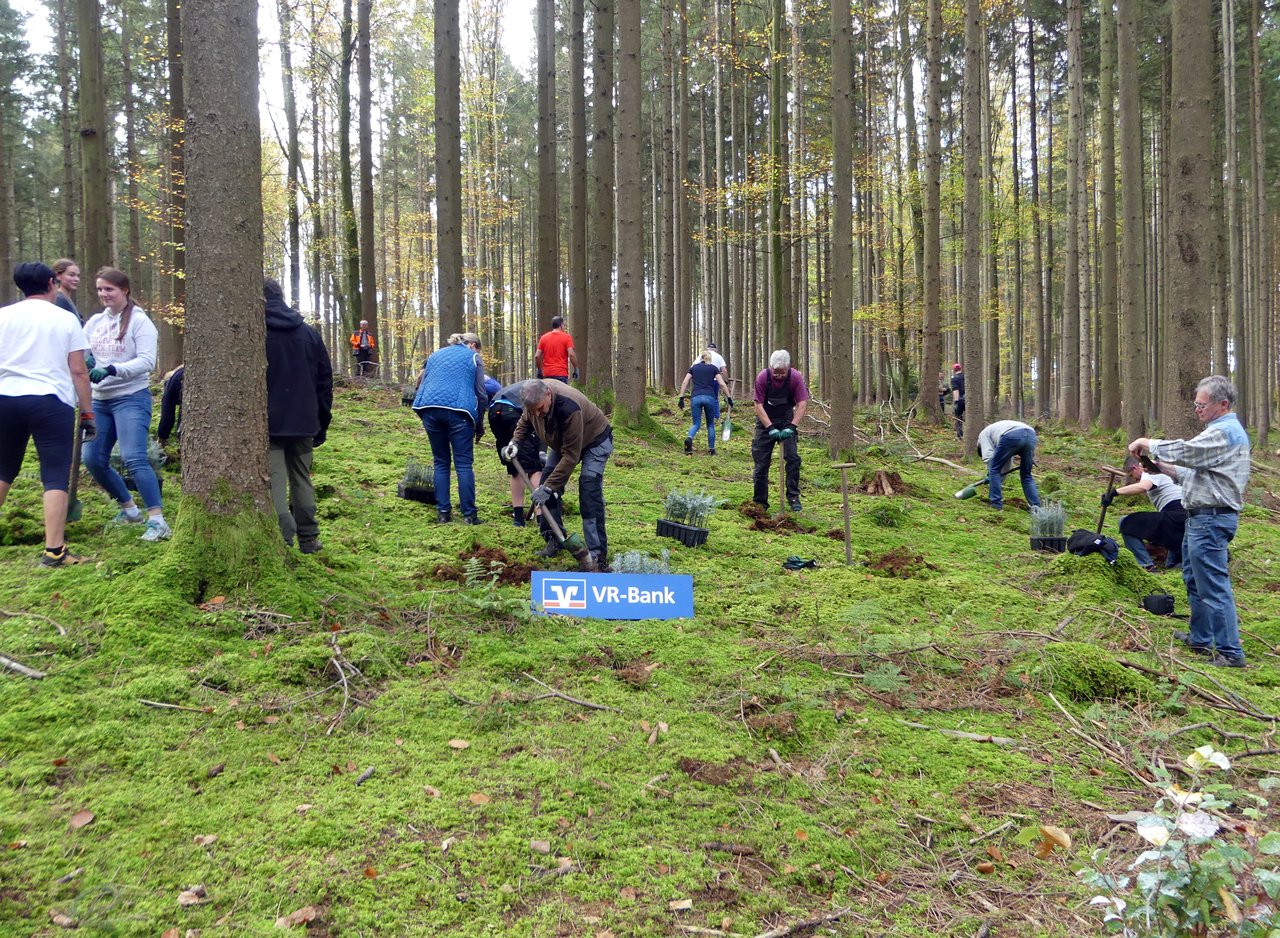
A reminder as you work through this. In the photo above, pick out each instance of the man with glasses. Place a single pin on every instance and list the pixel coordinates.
(1213, 469)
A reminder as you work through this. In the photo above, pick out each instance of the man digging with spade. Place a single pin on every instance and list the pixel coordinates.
(576, 431)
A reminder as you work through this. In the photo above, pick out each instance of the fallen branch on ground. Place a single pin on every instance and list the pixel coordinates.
(783, 930)
(10, 665)
(168, 706)
(552, 692)
(33, 615)
(961, 734)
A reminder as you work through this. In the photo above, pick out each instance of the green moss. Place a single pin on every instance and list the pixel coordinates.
(1087, 672)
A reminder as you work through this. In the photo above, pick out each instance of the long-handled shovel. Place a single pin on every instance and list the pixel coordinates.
(1112, 474)
(75, 508)
(574, 542)
(971, 490)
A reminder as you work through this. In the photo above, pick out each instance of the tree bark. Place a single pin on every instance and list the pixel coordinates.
(350, 224)
(1108, 316)
(975, 414)
(293, 153)
(630, 382)
(840, 360)
(578, 314)
(368, 247)
(68, 193)
(548, 279)
(599, 371)
(1133, 315)
(1071, 323)
(448, 141)
(95, 182)
(932, 220)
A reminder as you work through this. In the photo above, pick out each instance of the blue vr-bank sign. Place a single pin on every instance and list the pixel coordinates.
(613, 595)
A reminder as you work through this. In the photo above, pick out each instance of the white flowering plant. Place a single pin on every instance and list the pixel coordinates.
(1204, 872)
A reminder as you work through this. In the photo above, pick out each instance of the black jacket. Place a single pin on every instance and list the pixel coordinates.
(299, 377)
(171, 404)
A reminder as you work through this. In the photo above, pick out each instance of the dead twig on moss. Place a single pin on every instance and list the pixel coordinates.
(782, 931)
(1208, 726)
(961, 734)
(1271, 649)
(159, 705)
(19, 668)
(552, 692)
(1231, 695)
(33, 615)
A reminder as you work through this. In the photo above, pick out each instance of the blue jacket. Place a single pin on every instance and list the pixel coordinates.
(453, 379)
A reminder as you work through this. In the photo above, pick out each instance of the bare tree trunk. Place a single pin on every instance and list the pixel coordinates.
(68, 193)
(1070, 367)
(548, 279)
(368, 254)
(448, 141)
(630, 382)
(1017, 366)
(781, 325)
(133, 168)
(578, 314)
(1263, 293)
(1039, 311)
(840, 361)
(94, 174)
(975, 413)
(1133, 406)
(1108, 314)
(349, 222)
(600, 295)
(932, 220)
(293, 153)
(1191, 132)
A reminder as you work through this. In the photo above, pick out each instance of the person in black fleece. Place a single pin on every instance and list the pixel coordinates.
(299, 408)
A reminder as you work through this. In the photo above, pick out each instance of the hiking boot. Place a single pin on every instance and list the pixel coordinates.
(711, 452)
(1185, 638)
(794, 505)
(123, 517)
(310, 545)
(59, 558)
(553, 547)
(472, 519)
(157, 530)
(1223, 661)
(444, 515)
(517, 516)
(688, 446)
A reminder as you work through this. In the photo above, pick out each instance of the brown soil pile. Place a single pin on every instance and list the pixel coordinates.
(510, 573)
(761, 521)
(713, 773)
(900, 562)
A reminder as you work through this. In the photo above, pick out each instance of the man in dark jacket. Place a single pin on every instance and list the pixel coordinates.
(299, 408)
(576, 432)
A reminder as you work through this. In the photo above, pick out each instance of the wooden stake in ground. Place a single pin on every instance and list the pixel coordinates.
(844, 468)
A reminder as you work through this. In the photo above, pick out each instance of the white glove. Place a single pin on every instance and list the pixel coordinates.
(509, 451)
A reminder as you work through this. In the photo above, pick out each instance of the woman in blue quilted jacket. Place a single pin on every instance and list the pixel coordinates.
(451, 401)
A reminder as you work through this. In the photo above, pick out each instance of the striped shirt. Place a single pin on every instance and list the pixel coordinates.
(1213, 468)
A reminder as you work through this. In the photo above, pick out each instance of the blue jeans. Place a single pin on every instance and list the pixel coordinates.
(452, 435)
(1021, 443)
(705, 403)
(1204, 570)
(127, 419)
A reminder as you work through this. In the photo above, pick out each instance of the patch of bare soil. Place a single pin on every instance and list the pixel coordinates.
(836, 534)
(761, 521)
(510, 572)
(883, 482)
(773, 725)
(635, 673)
(713, 773)
(900, 562)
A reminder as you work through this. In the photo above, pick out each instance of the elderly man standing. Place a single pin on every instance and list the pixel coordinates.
(576, 431)
(363, 344)
(781, 399)
(1213, 469)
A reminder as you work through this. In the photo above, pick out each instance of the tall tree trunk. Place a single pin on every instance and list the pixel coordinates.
(840, 360)
(293, 153)
(1263, 293)
(1231, 199)
(226, 529)
(1017, 366)
(1190, 289)
(664, 184)
(350, 224)
(133, 167)
(932, 221)
(171, 334)
(95, 182)
(68, 193)
(684, 243)
(630, 381)
(1071, 323)
(781, 318)
(548, 279)
(1039, 310)
(578, 314)
(368, 247)
(448, 141)
(600, 369)
(1108, 315)
(975, 413)
(1133, 316)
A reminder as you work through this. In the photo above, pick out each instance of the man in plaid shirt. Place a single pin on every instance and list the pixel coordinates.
(1213, 469)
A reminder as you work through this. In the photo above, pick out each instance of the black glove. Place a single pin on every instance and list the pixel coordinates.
(319, 438)
(479, 431)
(542, 495)
(575, 374)
(538, 373)
(88, 428)
(1108, 498)
(730, 400)
(681, 402)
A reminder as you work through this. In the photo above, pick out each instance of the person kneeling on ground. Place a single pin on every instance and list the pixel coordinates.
(998, 443)
(781, 399)
(705, 377)
(576, 431)
(504, 414)
(42, 376)
(1165, 526)
(299, 408)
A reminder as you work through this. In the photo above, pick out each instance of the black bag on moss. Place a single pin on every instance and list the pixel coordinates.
(1083, 542)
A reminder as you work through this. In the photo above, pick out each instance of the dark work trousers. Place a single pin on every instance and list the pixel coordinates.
(590, 494)
(762, 456)
(296, 507)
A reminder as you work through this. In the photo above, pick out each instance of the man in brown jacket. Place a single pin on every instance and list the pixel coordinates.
(576, 432)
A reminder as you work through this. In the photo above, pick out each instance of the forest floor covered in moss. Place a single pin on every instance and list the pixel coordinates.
(863, 748)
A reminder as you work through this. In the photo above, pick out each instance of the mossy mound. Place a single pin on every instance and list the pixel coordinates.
(1087, 672)
(1105, 582)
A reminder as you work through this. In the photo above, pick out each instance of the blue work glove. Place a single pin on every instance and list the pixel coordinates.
(542, 495)
(97, 374)
(775, 433)
(89, 360)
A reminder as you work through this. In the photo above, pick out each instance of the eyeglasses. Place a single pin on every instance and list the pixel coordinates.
(1201, 405)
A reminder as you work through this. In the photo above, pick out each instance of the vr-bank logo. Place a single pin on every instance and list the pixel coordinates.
(564, 594)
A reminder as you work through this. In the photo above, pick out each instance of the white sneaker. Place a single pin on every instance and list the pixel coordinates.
(123, 517)
(157, 530)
